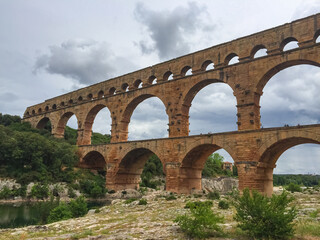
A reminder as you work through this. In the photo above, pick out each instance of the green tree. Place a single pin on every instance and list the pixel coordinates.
(213, 166)
(62, 212)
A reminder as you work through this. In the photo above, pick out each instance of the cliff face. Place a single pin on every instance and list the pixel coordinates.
(221, 184)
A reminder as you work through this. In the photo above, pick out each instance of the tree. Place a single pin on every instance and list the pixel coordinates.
(213, 165)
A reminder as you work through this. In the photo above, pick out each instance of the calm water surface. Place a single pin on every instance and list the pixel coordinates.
(24, 214)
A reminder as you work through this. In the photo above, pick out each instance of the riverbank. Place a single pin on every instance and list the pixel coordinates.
(155, 220)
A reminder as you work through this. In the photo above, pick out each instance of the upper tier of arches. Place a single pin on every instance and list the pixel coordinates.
(273, 41)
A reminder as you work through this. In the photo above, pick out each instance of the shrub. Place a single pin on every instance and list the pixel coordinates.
(130, 200)
(142, 202)
(62, 212)
(40, 191)
(223, 204)
(5, 193)
(213, 195)
(170, 197)
(198, 204)
(71, 193)
(263, 217)
(201, 222)
(292, 187)
(78, 207)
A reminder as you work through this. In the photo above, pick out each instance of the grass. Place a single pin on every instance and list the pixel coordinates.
(307, 228)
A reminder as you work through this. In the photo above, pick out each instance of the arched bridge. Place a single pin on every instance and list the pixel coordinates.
(254, 150)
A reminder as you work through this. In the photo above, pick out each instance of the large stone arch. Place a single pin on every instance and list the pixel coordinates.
(129, 109)
(62, 122)
(42, 122)
(88, 122)
(126, 173)
(281, 66)
(192, 164)
(93, 160)
(192, 92)
(273, 148)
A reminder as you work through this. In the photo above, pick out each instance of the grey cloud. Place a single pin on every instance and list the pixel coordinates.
(86, 61)
(170, 30)
(306, 8)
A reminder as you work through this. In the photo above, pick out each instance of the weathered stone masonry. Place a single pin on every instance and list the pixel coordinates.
(254, 150)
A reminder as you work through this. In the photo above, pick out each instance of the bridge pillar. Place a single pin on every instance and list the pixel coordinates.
(172, 176)
(179, 125)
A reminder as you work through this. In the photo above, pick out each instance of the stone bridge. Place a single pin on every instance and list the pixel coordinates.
(254, 150)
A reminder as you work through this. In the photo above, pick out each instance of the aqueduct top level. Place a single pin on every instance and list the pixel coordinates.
(170, 82)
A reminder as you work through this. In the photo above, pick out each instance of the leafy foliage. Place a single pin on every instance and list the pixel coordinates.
(142, 202)
(300, 179)
(292, 187)
(40, 191)
(201, 222)
(213, 195)
(223, 204)
(153, 167)
(265, 218)
(76, 208)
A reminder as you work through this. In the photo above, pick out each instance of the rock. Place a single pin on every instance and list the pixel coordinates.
(91, 212)
(221, 184)
(126, 194)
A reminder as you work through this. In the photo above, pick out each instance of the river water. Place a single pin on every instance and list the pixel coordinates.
(24, 214)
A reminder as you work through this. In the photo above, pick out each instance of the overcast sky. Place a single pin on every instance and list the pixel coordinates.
(52, 47)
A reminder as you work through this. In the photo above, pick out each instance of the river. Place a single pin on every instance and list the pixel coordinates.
(27, 213)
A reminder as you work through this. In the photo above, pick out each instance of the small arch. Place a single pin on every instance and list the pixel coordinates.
(100, 94)
(39, 110)
(125, 87)
(207, 65)
(288, 44)
(80, 98)
(317, 36)
(258, 51)
(27, 114)
(138, 83)
(90, 96)
(93, 160)
(46, 108)
(232, 58)
(54, 106)
(62, 104)
(70, 101)
(112, 91)
(152, 80)
(168, 76)
(33, 112)
(186, 71)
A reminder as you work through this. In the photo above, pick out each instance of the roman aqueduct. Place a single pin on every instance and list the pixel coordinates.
(253, 149)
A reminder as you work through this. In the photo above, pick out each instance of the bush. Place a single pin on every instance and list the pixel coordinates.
(142, 202)
(201, 222)
(292, 187)
(263, 217)
(213, 195)
(170, 197)
(223, 204)
(130, 200)
(40, 191)
(5, 193)
(71, 193)
(62, 212)
(78, 207)
(198, 204)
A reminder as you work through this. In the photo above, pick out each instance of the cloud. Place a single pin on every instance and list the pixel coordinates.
(306, 8)
(170, 31)
(86, 61)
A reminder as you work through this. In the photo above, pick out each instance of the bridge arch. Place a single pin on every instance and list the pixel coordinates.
(93, 160)
(193, 162)
(193, 92)
(126, 174)
(274, 148)
(129, 109)
(43, 122)
(62, 122)
(89, 121)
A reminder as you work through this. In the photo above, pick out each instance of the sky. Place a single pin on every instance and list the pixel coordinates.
(49, 48)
